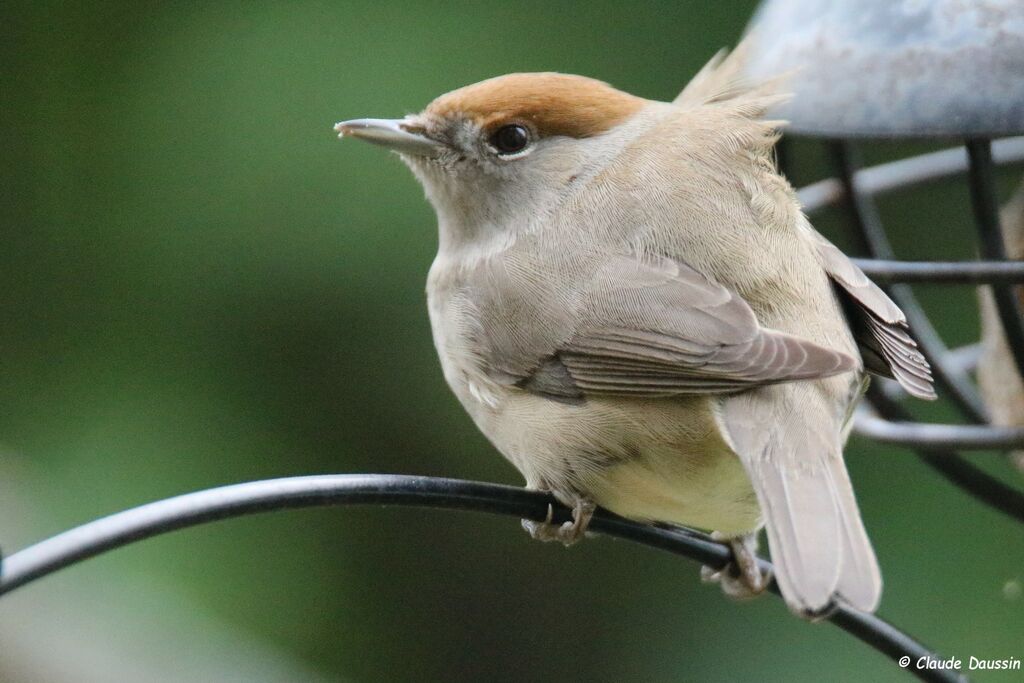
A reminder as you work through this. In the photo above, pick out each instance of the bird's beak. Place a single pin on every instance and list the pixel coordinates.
(391, 133)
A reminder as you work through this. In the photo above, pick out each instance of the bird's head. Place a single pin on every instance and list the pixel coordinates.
(499, 152)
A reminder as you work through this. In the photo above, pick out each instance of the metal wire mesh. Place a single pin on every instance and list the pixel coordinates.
(884, 417)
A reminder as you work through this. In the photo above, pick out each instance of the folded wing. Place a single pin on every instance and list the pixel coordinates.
(878, 324)
(656, 327)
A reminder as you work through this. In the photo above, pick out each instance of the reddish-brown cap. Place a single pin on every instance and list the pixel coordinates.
(553, 103)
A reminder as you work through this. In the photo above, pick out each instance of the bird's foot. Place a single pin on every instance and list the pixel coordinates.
(742, 578)
(568, 532)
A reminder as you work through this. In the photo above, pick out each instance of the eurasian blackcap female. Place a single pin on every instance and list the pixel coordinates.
(630, 305)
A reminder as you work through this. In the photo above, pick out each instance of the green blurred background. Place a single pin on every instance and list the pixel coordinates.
(200, 285)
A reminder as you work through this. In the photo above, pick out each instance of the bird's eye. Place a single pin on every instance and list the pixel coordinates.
(510, 139)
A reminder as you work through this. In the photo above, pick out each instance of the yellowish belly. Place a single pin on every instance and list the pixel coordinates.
(651, 460)
(717, 497)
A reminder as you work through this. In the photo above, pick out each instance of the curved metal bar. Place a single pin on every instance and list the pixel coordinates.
(869, 230)
(955, 469)
(945, 436)
(985, 203)
(191, 509)
(943, 272)
(965, 358)
(196, 508)
(904, 173)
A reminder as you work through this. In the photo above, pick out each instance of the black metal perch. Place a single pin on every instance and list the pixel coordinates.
(191, 509)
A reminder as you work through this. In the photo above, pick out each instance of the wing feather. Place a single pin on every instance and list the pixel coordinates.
(878, 324)
(660, 328)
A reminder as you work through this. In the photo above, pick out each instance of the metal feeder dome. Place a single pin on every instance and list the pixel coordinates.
(907, 68)
(901, 70)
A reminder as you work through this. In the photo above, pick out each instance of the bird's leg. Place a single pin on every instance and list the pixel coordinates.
(741, 578)
(582, 512)
(568, 532)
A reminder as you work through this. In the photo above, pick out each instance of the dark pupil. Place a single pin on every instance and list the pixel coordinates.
(509, 139)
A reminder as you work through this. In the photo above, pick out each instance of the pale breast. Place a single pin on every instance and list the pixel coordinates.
(455, 325)
(653, 460)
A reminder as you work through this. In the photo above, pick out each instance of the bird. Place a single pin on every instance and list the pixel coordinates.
(630, 305)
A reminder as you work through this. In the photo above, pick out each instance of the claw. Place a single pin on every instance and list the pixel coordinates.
(742, 578)
(566, 533)
(539, 530)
